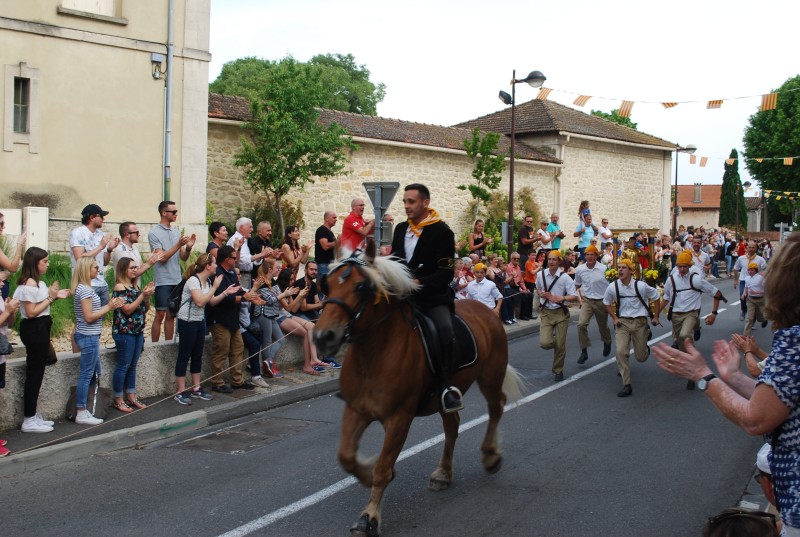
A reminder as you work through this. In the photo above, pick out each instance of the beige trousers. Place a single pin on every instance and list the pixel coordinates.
(594, 307)
(683, 325)
(553, 335)
(636, 330)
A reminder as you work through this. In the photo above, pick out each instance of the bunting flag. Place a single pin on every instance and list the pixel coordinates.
(703, 162)
(692, 159)
(759, 160)
(582, 100)
(669, 105)
(769, 101)
(544, 93)
(789, 195)
(788, 161)
(730, 161)
(714, 104)
(625, 109)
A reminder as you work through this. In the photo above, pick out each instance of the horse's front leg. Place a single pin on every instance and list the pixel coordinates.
(353, 426)
(443, 475)
(395, 433)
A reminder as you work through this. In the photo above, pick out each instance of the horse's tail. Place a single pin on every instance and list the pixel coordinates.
(513, 385)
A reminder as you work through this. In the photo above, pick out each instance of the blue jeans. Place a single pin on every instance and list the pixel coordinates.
(129, 348)
(190, 345)
(744, 300)
(728, 265)
(270, 330)
(89, 367)
(322, 269)
(253, 348)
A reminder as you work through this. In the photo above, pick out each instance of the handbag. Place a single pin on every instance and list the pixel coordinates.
(5, 346)
(254, 329)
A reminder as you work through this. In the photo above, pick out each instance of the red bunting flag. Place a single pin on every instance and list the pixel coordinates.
(715, 104)
(582, 100)
(788, 161)
(692, 159)
(769, 101)
(703, 162)
(625, 109)
(543, 94)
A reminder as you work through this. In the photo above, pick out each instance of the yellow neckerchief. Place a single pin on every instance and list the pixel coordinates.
(432, 218)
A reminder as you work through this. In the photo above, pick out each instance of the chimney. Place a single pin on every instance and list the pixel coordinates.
(698, 193)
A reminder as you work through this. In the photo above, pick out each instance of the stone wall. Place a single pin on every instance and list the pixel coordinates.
(440, 171)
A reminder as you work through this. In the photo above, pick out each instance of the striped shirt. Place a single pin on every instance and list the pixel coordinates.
(83, 292)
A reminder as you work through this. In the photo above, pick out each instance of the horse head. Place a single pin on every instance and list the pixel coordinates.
(357, 283)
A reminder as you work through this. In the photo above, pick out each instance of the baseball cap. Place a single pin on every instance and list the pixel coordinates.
(93, 209)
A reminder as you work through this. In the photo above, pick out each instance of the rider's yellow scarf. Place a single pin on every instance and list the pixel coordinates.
(432, 218)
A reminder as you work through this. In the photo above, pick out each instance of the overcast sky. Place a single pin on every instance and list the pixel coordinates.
(444, 61)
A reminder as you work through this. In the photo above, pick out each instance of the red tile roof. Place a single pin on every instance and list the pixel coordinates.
(543, 117)
(378, 128)
(710, 196)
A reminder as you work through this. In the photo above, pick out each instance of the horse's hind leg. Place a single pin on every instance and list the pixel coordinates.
(353, 426)
(443, 475)
(495, 400)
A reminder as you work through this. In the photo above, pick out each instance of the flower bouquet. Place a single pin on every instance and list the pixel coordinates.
(612, 274)
(651, 277)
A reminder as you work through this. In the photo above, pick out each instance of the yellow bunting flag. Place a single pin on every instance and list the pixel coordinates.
(544, 93)
(714, 104)
(778, 197)
(669, 105)
(769, 101)
(703, 162)
(730, 161)
(692, 159)
(582, 100)
(759, 160)
(788, 193)
(788, 161)
(625, 109)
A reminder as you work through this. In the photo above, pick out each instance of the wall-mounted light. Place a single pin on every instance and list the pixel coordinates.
(157, 61)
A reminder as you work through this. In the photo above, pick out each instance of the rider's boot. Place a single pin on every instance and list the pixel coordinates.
(452, 398)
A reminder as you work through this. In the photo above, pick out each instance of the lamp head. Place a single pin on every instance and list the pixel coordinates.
(689, 149)
(534, 79)
(505, 97)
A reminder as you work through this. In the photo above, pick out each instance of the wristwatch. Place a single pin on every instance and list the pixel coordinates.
(702, 384)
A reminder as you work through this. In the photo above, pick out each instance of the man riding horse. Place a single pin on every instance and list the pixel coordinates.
(426, 245)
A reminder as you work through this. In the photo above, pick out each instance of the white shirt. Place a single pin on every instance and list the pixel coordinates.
(605, 234)
(81, 236)
(591, 281)
(564, 286)
(484, 291)
(543, 236)
(741, 265)
(700, 260)
(410, 243)
(629, 304)
(123, 250)
(686, 298)
(245, 262)
(754, 285)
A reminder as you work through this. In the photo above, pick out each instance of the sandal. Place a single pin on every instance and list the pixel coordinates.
(122, 407)
(312, 372)
(135, 403)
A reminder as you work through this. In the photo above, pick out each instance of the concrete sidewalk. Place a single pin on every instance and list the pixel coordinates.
(164, 418)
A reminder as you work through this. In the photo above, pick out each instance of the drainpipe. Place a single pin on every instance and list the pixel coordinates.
(168, 101)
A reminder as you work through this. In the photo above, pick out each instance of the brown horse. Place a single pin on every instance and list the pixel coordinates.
(386, 378)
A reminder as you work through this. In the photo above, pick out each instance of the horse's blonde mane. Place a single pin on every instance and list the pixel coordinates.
(387, 274)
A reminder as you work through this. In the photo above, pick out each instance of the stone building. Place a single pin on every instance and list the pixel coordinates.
(84, 110)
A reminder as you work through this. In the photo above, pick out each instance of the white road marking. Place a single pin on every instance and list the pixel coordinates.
(319, 496)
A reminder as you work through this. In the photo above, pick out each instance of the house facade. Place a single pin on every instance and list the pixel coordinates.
(85, 89)
(699, 205)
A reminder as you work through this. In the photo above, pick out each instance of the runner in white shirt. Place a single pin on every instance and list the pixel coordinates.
(590, 281)
(700, 259)
(483, 290)
(754, 294)
(555, 289)
(740, 269)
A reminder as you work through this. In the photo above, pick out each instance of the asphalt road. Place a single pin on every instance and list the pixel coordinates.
(578, 461)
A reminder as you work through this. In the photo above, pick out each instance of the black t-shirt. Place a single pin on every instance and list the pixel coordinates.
(256, 245)
(525, 232)
(311, 297)
(320, 255)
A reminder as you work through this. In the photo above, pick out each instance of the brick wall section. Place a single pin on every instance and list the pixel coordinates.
(441, 172)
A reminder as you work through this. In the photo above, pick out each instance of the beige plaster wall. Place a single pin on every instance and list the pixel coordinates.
(699, 217)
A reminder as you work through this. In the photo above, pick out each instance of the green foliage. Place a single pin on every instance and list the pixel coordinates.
(776, 134)
(345, 84)
(286, 146)
(210, 211)
(615, 118)
(488, 165)
(732, 210)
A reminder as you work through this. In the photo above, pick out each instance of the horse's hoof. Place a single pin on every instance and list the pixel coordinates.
(365, 527)
(438, 484)
(493, 464)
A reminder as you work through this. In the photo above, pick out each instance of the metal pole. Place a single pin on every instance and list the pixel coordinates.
(675, 198)
(511, 167)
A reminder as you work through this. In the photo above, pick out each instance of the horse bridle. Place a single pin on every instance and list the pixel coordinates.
(364, 289)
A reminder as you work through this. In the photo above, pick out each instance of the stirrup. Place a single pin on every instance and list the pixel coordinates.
(455, 391)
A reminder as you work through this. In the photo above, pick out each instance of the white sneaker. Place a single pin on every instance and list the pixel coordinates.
(32, 425)
(44, 421)
(259, 381)
(85, 417)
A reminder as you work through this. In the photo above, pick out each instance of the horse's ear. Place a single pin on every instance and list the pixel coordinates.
(369, 250)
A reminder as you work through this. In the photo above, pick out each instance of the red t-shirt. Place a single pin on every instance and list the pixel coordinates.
(351, 238)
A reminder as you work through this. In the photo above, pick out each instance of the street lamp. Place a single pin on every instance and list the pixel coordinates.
(534, 79)
(688, 149)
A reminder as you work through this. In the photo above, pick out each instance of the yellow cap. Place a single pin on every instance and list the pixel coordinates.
(591, 249)
(479, 266)
(753, 265)
(684, 258)
(555, 252)
(627, 262)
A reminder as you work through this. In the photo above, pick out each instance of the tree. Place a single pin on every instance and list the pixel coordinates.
(487, 166)
(286, 146)
(772, 135)
(732, 210)
(615, 118)
(346, 85)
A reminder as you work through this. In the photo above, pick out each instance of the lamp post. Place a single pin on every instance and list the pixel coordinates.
(747, 185)
(534, 79)
(688, 149)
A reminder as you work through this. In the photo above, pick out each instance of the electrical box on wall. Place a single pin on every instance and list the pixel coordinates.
(13, 220)
(37, 226)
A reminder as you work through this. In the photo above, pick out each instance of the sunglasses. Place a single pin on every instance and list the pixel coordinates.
(173, 212)
(134, 232)
(714, 521)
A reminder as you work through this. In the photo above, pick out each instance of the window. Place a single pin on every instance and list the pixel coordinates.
(100, 10)
(22, 103)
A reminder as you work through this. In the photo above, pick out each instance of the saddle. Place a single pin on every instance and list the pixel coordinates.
(465, 350)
